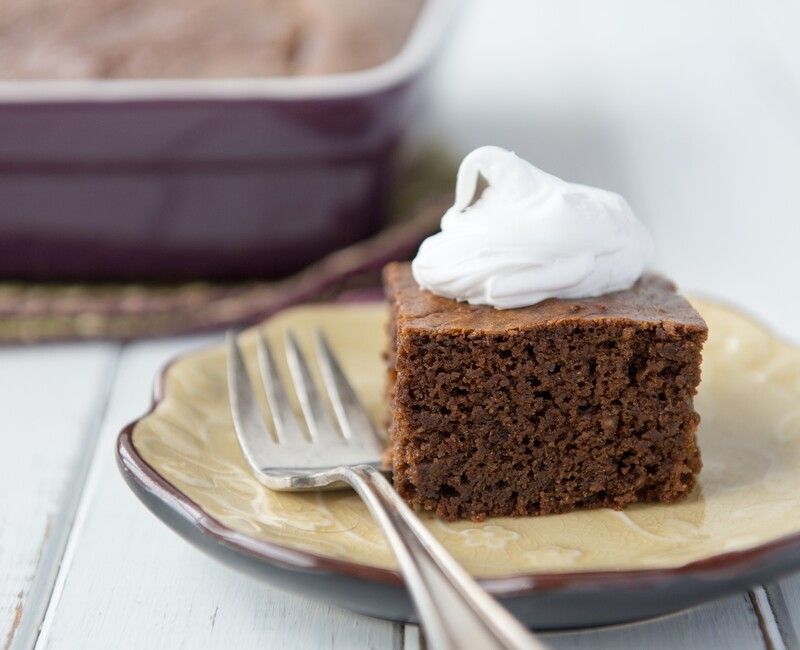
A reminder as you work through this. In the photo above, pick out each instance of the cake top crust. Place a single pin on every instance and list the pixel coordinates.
(122, 39)
(653, 299)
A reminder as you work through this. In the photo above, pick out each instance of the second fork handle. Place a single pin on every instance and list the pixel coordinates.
(455, 612)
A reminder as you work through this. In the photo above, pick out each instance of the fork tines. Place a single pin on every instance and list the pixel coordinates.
(354, 425)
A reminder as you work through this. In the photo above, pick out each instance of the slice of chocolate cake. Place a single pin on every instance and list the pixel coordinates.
(561, 405)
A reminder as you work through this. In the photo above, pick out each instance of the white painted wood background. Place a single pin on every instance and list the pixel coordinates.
(689, 108)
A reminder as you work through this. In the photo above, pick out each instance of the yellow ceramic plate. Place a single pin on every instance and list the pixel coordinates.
(184, 460)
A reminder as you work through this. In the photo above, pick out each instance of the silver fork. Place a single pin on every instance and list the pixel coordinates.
(454, 610)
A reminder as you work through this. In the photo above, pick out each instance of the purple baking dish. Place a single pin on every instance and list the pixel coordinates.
(217, 179)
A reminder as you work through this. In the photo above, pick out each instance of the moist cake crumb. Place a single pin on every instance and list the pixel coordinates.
(545, 409)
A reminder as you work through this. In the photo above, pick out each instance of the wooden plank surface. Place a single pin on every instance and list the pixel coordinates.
(128, 580)
(728, 624)
(784, 599)
(51, 399)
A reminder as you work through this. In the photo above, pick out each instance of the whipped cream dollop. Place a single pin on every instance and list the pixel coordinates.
(530, 236)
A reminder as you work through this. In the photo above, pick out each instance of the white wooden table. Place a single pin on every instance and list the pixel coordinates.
(691, 109)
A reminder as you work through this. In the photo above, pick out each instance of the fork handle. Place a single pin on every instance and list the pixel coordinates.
(454, 610)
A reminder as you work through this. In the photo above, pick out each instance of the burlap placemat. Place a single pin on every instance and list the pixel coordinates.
(39, 312)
